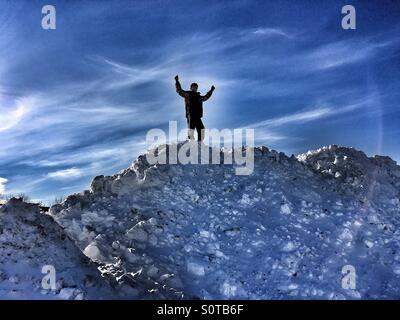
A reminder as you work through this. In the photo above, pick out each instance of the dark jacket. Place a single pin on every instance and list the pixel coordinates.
(193, 101)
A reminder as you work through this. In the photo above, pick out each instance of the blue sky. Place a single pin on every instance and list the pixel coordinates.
(77, 101)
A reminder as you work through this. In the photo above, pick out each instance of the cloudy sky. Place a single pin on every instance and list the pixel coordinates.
(77, 101)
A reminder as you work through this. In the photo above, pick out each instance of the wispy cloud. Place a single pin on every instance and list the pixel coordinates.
(264, 136)
(65, 174)
(9, 119)
(271, 32)
(274, 130)
(298, 117)
(306, 116)
(342, 53)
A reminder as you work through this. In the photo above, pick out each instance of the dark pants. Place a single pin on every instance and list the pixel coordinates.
(195, 123)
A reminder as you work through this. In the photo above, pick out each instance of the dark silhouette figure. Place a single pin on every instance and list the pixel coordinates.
(194, 108)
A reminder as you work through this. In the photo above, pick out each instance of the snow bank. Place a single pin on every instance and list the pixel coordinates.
(283, 232)
(30, 240)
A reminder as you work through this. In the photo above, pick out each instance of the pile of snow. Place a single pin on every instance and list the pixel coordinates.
(31, 240)
(285, 231)
(372, 180)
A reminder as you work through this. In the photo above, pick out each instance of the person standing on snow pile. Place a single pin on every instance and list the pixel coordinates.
(194, 108)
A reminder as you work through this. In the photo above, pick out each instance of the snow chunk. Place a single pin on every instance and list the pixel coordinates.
(137, 233)
(92, 251)
(285, 209)
(369, 243)
(204, 234)
(70, 294)
(230, 289)
(245, 200)
(290, 246)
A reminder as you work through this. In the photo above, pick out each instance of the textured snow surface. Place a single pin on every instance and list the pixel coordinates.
(200, 231)
(29, 240)
(286, 231)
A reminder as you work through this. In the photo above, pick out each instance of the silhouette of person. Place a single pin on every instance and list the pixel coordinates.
(194, 108)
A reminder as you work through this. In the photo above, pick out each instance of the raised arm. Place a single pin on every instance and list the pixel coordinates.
(179, 90)
(208, 94)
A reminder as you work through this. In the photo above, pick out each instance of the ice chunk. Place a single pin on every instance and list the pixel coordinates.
(92, 251)
(285, 209)
(137, 233)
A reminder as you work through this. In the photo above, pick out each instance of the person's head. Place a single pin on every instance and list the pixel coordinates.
(194, 87)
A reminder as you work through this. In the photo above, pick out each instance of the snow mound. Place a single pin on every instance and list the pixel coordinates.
(372, 179)
(284, 232)
(31, 240)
